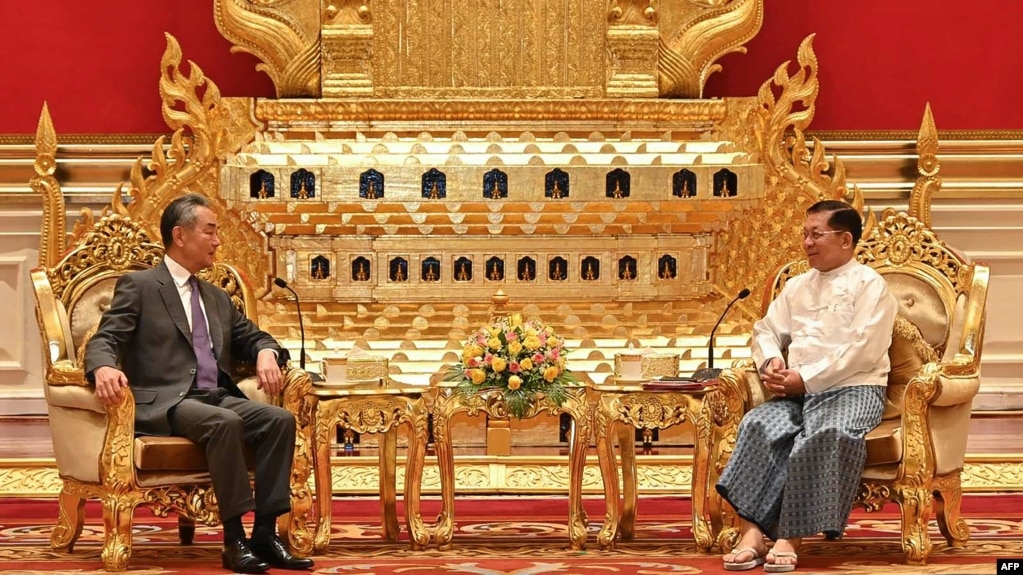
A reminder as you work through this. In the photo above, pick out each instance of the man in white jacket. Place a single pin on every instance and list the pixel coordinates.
(799, 455)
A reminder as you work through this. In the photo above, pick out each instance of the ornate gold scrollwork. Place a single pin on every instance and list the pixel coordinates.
(772, 129)
(688, 56)
(348, 12)
(632, 13)
(491, 401)
(205, 128)
(284, 36)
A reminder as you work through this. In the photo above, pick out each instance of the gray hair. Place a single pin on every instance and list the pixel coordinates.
(181, 212)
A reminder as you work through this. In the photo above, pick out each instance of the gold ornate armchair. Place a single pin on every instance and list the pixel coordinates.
(915, 456)
(97, 452)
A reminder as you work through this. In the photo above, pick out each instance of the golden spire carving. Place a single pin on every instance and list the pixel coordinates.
(927, 165)
(52, 236)
(688, 54)
(771, 129)
(205, 129)
(286, 40)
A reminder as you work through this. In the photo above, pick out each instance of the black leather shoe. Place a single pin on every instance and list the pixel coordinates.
(237, 557)
(272, 550)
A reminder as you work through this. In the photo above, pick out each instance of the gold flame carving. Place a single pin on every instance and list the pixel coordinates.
(206, 128)
(688, 56)
(286, 41)
(771, 128)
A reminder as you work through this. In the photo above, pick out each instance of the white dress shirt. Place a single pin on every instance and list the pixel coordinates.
(836, 325)
(180, 276)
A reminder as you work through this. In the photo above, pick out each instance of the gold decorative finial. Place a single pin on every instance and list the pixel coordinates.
(499, 299)
(52, 236)
(929, 182)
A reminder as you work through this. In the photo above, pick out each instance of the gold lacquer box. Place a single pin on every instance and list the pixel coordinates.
(354, 371)
(638, 366)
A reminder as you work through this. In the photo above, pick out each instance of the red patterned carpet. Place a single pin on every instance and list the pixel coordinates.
(514, 536)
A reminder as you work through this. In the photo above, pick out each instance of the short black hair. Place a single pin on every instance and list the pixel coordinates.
(180, 212)
(843, 217)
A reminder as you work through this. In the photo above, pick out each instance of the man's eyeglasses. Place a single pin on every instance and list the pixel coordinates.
(816, 235)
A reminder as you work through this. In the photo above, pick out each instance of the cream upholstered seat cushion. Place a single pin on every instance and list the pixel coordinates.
(177, 454)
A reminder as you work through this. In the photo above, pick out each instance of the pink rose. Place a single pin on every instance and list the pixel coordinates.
(514, 367)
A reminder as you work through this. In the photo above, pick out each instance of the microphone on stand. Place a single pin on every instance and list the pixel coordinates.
(710, 372)
(301, 328)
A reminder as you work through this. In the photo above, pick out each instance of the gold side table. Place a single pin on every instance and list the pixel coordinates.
(621, 408)
(491, 402)
(368, 408)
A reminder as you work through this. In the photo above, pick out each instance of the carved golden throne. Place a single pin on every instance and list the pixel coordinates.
(915, 456)
(97, 452)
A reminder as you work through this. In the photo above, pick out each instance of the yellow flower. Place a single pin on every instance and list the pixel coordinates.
(514, 382)
(494, 343)
(532, 343)
(477, 376)
(515, 320)
(550, 374)
(514, 348)
(526, 364)
(498, 365)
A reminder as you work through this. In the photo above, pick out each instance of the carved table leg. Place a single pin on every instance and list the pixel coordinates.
(578, 443)
(414, 461)
(445, 462)
(603, 428)
(627, 446)
(388, 454)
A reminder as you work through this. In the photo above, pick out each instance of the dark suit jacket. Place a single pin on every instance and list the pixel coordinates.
(145, 333)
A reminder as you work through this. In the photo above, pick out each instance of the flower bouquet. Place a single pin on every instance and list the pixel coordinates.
(522, 359)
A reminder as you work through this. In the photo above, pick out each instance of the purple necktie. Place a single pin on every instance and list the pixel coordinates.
(206, 375)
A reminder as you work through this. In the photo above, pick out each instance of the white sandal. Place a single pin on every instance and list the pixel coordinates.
(780, 567)
(753, 563)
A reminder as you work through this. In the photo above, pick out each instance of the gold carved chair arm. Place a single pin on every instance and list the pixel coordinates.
(966, 361)
(117, 467)
(745, 372)
(62, 367)
(955, 389)
(293, 378)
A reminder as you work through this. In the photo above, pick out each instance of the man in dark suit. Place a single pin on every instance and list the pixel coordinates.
(172, 338)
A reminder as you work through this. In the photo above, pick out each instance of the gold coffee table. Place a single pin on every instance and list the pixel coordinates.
(368, 408)
(714, 412)
(491, 402)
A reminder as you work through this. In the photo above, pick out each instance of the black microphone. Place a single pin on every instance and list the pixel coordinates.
(301, 329)
(710, 372)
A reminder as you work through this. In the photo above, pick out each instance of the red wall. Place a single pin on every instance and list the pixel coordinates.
(97, 62)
